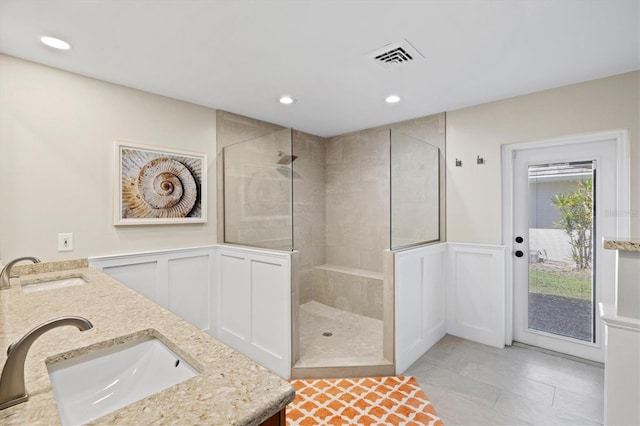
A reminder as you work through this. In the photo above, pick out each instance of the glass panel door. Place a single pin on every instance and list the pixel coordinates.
(561, 285)
(559, 274)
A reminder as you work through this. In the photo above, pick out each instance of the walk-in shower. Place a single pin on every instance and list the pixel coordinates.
(344, 204)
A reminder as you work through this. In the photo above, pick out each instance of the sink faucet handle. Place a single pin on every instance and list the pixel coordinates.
(10, 348)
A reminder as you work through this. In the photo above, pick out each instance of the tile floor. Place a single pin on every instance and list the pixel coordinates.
(473, 384)
(356, 339)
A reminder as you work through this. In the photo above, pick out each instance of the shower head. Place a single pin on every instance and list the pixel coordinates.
(286, 159)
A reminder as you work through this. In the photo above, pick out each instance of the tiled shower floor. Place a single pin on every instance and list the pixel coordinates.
(356, 339)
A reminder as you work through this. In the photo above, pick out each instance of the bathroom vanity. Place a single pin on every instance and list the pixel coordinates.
(227, 389)
(622, 338)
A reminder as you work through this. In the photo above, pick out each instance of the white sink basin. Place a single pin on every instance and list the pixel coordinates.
(51, 285)
(89, 386)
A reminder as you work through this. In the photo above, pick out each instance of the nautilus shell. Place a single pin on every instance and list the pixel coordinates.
(160, 187)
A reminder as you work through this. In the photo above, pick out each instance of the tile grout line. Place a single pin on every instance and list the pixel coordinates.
(497, 398)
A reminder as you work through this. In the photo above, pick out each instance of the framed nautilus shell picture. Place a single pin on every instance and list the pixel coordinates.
(159, 186)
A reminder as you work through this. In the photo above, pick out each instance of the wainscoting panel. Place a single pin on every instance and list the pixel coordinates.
(254, 305)
(268, 300)
(141, 277)
(235, 291)
(420, 321)
(180, 280)
(189, 287)
(476, 293)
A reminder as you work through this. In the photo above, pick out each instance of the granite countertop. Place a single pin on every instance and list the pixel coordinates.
(628, 244)
(231, 389)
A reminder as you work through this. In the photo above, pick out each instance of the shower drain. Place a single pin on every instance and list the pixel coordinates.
(327, 334)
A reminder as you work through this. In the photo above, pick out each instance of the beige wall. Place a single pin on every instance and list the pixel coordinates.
(57, 161)
(57, 132)
(473, 191)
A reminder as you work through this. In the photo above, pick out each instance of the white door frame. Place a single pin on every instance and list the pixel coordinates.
(622, 213)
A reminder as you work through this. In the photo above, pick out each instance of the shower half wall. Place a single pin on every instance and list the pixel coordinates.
(352, 200)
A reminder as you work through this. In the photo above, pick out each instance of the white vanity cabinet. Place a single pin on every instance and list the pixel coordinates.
(622, 339)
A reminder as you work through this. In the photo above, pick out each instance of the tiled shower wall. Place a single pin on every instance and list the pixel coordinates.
(430, 129)
(258, 192)
(230, 129)
(309, 229)
(341, 193)
(358, 191)
(357, 196)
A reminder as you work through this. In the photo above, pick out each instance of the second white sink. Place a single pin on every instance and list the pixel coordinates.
(52, 285)
(89, 386)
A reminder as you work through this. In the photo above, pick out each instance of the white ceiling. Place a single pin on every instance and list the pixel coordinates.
(241, 56)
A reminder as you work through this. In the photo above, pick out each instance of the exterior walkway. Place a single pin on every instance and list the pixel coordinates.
(566, 316)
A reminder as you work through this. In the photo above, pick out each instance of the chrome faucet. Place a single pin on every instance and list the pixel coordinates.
(12, 389)
(6, 271)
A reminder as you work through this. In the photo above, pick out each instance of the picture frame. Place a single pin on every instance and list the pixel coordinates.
(158, 185)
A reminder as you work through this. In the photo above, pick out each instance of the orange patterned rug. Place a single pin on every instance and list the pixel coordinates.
(360, 401)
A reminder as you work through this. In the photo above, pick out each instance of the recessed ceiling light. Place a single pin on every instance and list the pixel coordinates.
(392, 99)
(287, 100)
(56, 43)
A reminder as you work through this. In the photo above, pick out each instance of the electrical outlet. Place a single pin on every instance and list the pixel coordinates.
(65, 242)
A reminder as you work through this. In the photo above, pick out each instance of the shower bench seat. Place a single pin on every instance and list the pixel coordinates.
(350, 289)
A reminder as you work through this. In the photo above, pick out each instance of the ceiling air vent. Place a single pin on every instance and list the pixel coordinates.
(394, 54)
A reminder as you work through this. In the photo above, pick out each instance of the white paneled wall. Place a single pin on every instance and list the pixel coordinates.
(476, 293)
(254, 305)
(240, 295)
(420, 302)
(243, 296)
(180, 280)
(189, 290)
(450, 288)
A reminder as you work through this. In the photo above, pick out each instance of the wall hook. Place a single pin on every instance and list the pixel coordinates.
(458, 163)
(479, 160)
